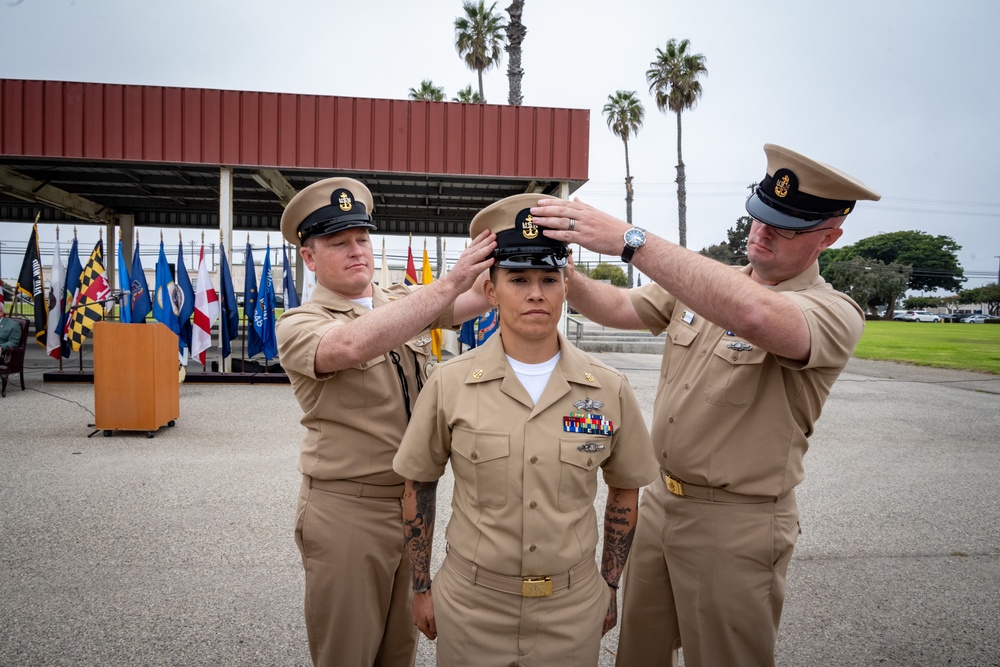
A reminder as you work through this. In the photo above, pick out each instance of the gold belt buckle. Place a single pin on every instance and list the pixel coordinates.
(673, 486)
(536, 587)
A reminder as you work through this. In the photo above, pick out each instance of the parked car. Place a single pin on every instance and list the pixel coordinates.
(900, 315)
(976, 319)
(916, 316)
(953, 317)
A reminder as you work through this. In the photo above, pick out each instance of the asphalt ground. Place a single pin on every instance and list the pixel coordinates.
(178, 550)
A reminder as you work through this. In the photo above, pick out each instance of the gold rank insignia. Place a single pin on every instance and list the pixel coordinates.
(781, 186)
(345, 202)
(589, 376)
(478, 373)
(530, 229)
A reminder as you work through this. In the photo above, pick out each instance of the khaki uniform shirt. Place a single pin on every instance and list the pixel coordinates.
(523, 503)
(729, 414)
(354, 417)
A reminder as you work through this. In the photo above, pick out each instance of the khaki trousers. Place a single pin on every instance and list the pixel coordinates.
(708, 577)
(358, 597)
(486, 628)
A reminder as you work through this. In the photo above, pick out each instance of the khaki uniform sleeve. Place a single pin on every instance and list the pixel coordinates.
(298, 333)
(835, 327)
(653, 304)
(426, 446)
(632, 463)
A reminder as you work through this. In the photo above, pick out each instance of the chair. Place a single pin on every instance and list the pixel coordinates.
(12, 360)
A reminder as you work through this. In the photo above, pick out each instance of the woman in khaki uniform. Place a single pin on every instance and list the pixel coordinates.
(526, 421)
(356, 355)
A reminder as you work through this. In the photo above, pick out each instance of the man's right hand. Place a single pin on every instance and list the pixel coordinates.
(474, 260)
(423, 614)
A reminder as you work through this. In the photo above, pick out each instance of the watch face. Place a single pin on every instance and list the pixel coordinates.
(635, 237)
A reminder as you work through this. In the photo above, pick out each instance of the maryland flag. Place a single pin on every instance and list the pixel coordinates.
(94, 291)
(428, 278)
(31, 284)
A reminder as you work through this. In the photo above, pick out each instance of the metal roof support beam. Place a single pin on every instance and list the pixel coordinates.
(38, 192)
(273, 180)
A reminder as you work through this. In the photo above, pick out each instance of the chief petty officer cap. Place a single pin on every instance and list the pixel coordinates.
(800, 193)
(520, 242)
(325, 207)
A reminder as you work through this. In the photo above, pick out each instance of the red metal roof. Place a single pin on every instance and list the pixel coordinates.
(99, 121)
(154, 152)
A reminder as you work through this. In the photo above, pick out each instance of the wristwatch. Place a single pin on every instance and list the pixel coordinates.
(635, 237)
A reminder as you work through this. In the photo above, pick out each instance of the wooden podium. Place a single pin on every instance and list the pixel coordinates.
(136, 382)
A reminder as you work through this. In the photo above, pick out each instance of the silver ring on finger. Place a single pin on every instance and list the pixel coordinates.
(572, 224)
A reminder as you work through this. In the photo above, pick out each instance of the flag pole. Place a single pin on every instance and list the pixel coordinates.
(264, 280)
(246, 320)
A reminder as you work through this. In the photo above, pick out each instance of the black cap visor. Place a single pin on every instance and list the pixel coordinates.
(784, 217)
(531, 258)
(322, 226)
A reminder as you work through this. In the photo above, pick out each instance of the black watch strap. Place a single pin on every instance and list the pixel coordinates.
(627, 253)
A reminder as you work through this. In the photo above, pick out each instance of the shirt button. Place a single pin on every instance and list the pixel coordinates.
(663, 454)
(532, 548)
(590, 462)
(532, 504)
(735, 357)
(687, 386)
(474, 456)
(671, 420)
(534, 459)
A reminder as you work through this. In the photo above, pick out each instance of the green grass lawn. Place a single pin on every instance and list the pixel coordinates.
(948, 345)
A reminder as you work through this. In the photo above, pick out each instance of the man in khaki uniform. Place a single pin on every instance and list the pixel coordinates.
(751, 358)
(526, 421)
(357, 355)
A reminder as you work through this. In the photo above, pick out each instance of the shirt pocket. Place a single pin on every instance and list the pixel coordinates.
(681, 336)
(367, 385)
(734, 375)
(480, 460)
(578, 469)
(420, 353)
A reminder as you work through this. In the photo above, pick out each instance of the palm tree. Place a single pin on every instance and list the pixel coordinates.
(467, 95)
(479, 38)
(624, 114)
(427, 92)
(673, 80)
(515, 35)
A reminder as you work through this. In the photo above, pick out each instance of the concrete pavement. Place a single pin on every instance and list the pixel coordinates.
(177, 550)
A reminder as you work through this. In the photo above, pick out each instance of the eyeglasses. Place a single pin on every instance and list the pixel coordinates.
(790, 233)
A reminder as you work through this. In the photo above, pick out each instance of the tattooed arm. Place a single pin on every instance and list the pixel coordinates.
(620, 517)
(419, 505)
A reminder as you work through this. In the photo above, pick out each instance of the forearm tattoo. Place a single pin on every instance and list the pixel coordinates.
(620, 517)
(419, 506)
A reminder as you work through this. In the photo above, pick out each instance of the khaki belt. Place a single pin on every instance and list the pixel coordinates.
(712, 493)
(526, 587)
(357, 488)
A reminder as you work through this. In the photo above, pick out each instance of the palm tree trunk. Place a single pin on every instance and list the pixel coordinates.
(482, 97)
(628, 202)
(681, 191)
(515, 36)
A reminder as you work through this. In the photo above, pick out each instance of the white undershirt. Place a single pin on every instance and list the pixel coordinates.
(534, 377)
(365, 301)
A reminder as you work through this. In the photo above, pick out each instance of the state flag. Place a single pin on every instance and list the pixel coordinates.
(165, 306)
(230, 314)
(206, 311)
(263, 314)
(71, 294)
(250, 302)
(94, 292)
(428, 278)
(57, 302)
(290, 296)
(139, 297)
(185, 294)
(411, 271)
(124, 286)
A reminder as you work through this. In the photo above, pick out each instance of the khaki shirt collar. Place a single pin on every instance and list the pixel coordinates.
(808, 279)
(327, 298)
(573, 368)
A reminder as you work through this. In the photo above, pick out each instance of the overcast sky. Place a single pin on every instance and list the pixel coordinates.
(903, 96)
